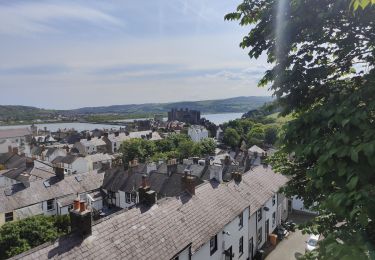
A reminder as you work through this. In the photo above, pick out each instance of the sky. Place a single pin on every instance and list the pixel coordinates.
(71, 54)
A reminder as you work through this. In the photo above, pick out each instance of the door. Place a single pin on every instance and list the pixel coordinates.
(267, 229)
(251, 245)
(228, 254)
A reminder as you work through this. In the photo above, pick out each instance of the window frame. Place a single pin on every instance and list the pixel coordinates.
(274, 200)
(240, 246)
(8, 216)
(260, 235)
(52, 201)
(240, 224)
(259, 214)
(127, 197)
(213, 248)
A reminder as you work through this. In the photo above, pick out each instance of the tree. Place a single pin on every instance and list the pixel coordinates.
(136, 148)
(231, 137)
(323, 72)
(255, 135)
(19, 236)
(270, 135)
(208, 146)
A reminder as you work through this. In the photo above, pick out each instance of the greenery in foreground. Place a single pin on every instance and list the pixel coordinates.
(175, 146)
(19, 236)
(323, 72)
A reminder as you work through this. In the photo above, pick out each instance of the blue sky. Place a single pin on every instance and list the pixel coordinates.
(69, 54)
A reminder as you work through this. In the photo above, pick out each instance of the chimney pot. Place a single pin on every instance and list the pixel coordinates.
(76, 205)
(82, 206)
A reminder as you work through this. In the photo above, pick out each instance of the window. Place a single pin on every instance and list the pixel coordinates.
(133, 196)
(259, 213)
(240, 248)
(240, 224)
(127, 196)
(50, 204)
(273, 219)
(8, 216)
(260, 235)
(273, 200)
(213, 245)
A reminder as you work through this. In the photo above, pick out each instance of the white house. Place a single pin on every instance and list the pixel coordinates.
(197, 133)
(99, 160)
(73, 164)
(53, 196)
(90, 145)
(21, 136)
(7, 145)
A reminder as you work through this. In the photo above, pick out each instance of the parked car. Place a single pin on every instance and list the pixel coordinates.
(312, 243)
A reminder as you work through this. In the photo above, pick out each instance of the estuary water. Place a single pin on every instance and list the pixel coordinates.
(214, 118)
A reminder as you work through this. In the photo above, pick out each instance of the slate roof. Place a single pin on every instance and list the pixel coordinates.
(11, 160)
(69, 159)
(21, 197)
(16, 132)
(169, 226)
(58, 159)
(257, 149)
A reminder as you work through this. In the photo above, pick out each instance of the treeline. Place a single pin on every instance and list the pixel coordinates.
(177, 146)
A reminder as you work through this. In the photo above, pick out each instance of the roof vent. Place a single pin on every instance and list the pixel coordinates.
(79, 178)
(8, 192)
(46, 184)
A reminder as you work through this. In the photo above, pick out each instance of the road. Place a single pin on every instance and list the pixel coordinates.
(290, 248)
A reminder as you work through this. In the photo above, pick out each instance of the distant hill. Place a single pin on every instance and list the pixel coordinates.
(230, 105)
(25, 113)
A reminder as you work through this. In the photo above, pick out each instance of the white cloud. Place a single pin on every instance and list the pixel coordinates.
(28, 17)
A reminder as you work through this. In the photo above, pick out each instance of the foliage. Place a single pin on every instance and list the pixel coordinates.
(137, 148)
(19, 236)
(174, 146)
(231, 137)
(361, 3)
(323, 72)
(2, 167)
(270, 135)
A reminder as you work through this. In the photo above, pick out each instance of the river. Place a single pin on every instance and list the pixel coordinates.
(214, 118)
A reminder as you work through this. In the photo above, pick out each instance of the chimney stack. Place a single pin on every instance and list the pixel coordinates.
(171, 166)
(146, 195)
(237, 176)
(10, 149)
(15, 150)
(80, 219)
(105, 135)
(29, 163)
(188, 183)
(59, 172)
(117, 133)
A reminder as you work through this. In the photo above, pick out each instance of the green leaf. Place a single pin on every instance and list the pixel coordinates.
(352, 183)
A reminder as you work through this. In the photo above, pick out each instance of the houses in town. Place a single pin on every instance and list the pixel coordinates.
(90, 145)
(17, 137)
(50, 196)
(197, 133)
(214, 220)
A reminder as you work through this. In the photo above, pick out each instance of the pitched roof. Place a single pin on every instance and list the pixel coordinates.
(169, 226)
(15, 132)
(21, 197)
(257, 149)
